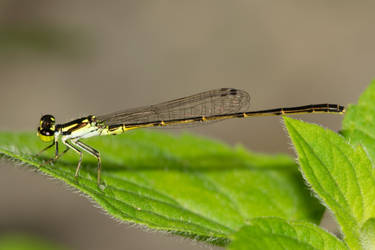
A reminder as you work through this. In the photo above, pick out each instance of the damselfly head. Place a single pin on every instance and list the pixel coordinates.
(46, 129)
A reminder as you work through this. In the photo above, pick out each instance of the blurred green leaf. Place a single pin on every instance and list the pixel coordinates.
(342, 176)
(20, 241)
(276, 233)
(186, 185)
(17, 39)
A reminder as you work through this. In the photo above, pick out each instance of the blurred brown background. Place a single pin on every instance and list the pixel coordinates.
(74, 58)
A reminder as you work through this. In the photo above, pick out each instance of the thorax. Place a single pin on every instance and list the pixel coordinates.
(80, 128)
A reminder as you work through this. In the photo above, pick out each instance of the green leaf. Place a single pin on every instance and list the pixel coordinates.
(359, 121)
(276, 233)
(20, 241)
(185, 185)
(368, 233)
(341, 175)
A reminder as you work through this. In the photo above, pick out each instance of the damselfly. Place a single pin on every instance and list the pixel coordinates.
(201, 108)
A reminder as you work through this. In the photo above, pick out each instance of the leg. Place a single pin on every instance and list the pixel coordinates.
(57, 155)
(92, 152)
(56, 143)
(46, 148)
(78, 152)
(56, 150)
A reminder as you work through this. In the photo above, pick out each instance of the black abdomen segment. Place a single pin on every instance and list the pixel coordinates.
(313, 108)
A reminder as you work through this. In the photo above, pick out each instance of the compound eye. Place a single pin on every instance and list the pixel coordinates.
(47, 128)
(47, 122)
(46, 125)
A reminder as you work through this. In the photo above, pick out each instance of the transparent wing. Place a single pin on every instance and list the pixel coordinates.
(212, 102)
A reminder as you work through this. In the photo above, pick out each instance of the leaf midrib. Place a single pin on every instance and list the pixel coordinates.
(105, 198)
